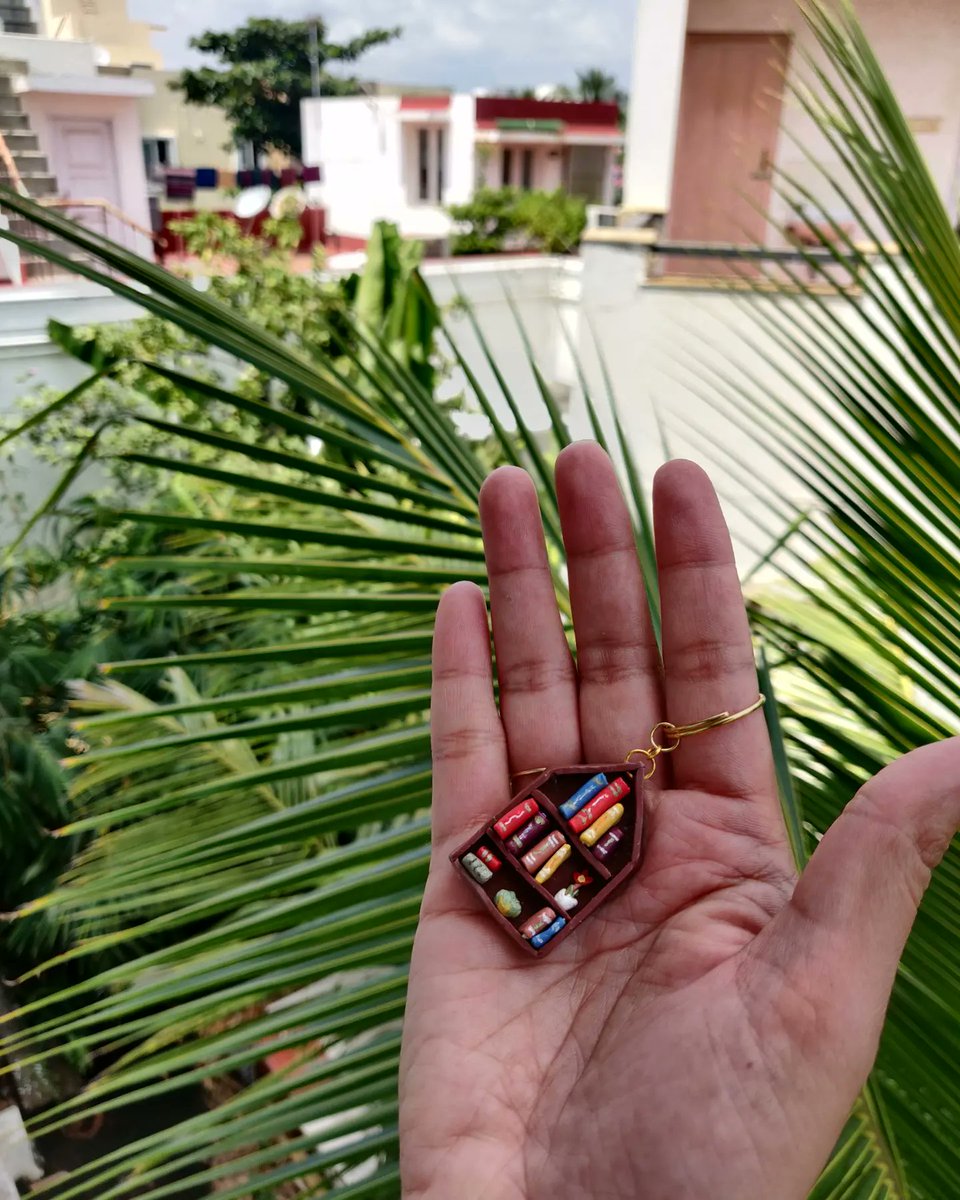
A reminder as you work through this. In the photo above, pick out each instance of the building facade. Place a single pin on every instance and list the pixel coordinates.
(120, 41)
(712, 118)
(405, 158)
(70, 129)
(174, 134)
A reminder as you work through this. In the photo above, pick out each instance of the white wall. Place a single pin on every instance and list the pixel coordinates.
(29, 362)
(121, 111)
(667, 352)
(658, 37)
(658, 344)
(356, 140)
(49, 56)
(545, 291)
(917, 43)
(368, 156)
(461, 161)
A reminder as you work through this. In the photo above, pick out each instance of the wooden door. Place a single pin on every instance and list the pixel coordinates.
(730, 105)
(86, 169)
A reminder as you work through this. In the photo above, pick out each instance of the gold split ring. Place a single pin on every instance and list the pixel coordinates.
(676, 733)
(674, 736)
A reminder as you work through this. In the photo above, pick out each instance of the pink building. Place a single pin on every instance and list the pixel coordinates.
(405, 158)
(709, 126)
(69, 136)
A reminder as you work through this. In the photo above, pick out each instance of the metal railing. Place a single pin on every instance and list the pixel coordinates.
(102, 217)
(99, 216)
(11, 172)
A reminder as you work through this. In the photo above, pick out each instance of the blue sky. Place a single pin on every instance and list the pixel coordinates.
(460, 43)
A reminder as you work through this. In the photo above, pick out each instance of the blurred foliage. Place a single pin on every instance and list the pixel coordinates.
(54, 631)
(497, 219)
(263, 73)
(249, 273)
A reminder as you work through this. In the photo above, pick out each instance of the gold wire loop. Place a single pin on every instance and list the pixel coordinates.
(650, 755)
(671, 731)
(675, 735)
(724, 718)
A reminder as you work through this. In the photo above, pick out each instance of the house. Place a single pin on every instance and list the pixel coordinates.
(70, 129)
(709, 124)
(405, 158)
(174, 134)
(120, 41)
(189, 137)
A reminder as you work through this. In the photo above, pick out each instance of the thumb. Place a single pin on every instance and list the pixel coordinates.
(857, 898)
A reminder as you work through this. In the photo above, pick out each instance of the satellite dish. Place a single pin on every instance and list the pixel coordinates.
(251, 202)
(288, 202)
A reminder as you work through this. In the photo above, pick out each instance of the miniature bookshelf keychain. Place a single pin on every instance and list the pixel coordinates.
(569, 839)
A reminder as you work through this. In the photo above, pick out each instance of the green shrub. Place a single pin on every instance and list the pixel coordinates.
(548, 221)
(553, 220)
(487, 220)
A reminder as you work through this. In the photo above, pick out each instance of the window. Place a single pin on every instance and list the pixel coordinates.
(506, 168)
(158, 152)
(247, 158)
(431, 153)
(423, 163)
(526, 171)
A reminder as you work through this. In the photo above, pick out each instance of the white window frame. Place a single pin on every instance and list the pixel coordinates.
(429, 181)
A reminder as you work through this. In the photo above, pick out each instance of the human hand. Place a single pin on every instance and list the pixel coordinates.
(704, 1033)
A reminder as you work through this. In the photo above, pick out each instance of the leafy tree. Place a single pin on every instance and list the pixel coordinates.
(555, 221)
(596, 85)
(485, 221)
(264, 73)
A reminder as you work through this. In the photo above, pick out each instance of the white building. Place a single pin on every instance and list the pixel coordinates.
(405, 158)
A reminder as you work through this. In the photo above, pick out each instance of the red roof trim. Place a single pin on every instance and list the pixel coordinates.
(425, 103)
(573, 112)
(569, 127)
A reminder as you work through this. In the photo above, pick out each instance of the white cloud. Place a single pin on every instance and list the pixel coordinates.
(460, 43)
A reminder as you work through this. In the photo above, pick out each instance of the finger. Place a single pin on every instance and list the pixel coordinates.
(618, 662)
(846, 925)
(470, 778)
(707, 652)
(538, 688)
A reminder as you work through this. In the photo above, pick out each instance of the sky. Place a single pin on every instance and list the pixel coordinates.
(463, 44)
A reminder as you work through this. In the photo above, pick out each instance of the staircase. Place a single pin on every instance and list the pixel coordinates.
(23, 168)
(16, 17)
(22, 142)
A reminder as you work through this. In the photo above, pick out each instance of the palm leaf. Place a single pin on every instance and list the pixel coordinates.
(285, 839)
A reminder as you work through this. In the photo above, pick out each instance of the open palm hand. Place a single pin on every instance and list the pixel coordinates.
(705, 1033)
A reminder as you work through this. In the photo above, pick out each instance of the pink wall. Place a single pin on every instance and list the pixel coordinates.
(121, 111)
(919, 46)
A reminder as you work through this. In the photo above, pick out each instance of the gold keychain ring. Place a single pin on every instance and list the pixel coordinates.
(676, 733)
